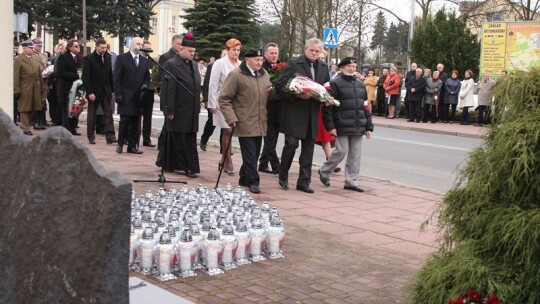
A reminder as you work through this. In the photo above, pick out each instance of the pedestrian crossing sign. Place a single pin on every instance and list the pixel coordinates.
(330, 37)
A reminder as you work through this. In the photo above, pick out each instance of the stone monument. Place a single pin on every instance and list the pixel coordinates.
(64, 221)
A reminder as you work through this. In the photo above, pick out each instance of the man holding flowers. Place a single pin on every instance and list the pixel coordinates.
(300, 113)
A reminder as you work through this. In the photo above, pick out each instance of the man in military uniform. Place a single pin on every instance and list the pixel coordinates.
(27, 83)
(40, 121)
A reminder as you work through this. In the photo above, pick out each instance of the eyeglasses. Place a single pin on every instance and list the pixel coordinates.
(75, 45)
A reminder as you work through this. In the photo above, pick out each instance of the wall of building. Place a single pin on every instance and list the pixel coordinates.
(6, 58)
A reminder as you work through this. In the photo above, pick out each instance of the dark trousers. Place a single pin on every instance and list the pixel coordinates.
(432, 115)
(250, 147)
(269, 154)
(445, 112)
(41, 117)
(163, 134)
(15, 109)
(415, 110)
(482, 110)
(127, 130)
(63, 118)
(208, 128)
(441, 107)
(107, 116)
(147, 121)
(465, 116)
(306, 159)
(381, 106)
(51, 98)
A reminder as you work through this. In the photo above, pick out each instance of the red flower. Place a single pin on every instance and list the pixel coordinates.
(282, 64)
(493, 299)
(274, 67)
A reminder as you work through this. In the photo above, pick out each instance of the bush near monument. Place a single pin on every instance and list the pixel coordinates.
(489, 221)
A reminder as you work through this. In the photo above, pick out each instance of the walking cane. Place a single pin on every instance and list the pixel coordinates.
(222, 161)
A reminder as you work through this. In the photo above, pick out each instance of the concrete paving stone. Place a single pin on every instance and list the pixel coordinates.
(334, 301)
(289, 204)
(425, 237)
(415, 193)
(226, 295)
(338, 230)
(368, 198)
(318, 212)
(403, 198)
(254, 297)
(182, 287)
(294, 294)
(337, 196)
(378, 227)
(410, 248)
(211, 300)
(238, 290)
(277, 297)
(260, 290)
(348, 209)
(417, 217)
(369, 238)
(313, 301)
(343, 287)
(348, 220)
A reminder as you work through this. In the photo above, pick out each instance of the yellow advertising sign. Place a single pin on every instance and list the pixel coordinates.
(509, 46)
(492, 60)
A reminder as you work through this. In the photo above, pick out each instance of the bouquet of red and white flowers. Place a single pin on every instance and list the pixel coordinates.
(302, 84)
(77, 99)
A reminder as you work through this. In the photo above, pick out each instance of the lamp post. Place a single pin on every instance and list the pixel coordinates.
(83, 42)
(411, 33)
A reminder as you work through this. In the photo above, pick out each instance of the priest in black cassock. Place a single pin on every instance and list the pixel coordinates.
(179, 152)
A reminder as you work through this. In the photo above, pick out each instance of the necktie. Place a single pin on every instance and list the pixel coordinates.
(137, 60)
(75, 58)
(312, 70)
(256, 73)
(102, 59)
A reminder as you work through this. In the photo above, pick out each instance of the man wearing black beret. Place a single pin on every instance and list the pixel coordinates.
(243, 103)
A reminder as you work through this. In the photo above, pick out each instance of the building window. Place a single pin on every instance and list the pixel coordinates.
(153, 25)
(494, 16)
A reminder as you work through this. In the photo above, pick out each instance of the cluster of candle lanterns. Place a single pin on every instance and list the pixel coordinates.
(176, 232)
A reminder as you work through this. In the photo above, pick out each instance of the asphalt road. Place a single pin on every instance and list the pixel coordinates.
(422, 160)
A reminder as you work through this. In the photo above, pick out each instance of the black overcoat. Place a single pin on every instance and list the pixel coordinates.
(299, 115)
(97, 75)
(128, 80)
(66, 74)
(183, 103)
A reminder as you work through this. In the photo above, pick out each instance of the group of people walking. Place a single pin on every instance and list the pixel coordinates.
(249, 99)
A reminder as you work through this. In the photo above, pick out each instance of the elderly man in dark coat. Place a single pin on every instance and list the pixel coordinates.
(416, 92)
(300, 114)
(243, 101)
(131, 75)
(180, 94)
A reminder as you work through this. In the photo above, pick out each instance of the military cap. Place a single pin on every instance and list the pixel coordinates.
(347, 60)
(37, 41)
(27, 43)
(254, 53)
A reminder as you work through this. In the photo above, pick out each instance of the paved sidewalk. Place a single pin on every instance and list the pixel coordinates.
(438, 128)
(341, 246)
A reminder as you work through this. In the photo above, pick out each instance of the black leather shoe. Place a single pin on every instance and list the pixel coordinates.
(203, 146)
(148, 144)
(134, 151)
(324, 180)
(353, 188)
(254, 189)
(305, 189)
(265, 169)
(284, 184)
(112, 141)
(91, 141)
(275, 170)
(119, 149)
(76, 133)
(190, 174)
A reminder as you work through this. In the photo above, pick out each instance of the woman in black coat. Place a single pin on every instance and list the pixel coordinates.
(381, 96)
(452, 87)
